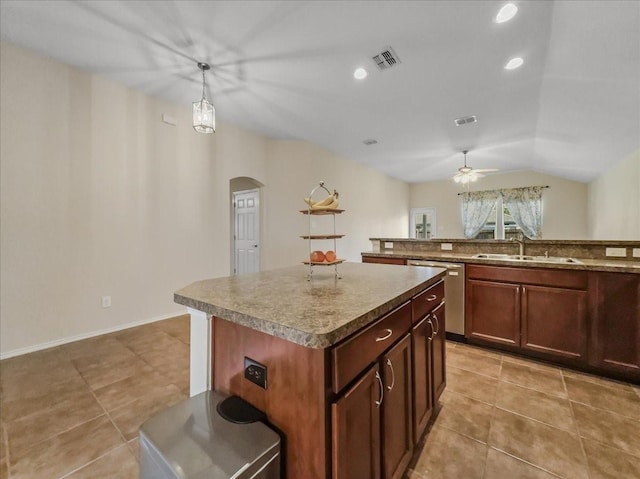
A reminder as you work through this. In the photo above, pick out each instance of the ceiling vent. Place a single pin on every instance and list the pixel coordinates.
(465, 120)
(386, 59)
(370, 142)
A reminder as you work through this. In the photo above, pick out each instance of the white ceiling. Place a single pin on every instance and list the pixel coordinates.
(285, 69)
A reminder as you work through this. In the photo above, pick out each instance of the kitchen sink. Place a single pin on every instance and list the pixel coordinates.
(518, 257)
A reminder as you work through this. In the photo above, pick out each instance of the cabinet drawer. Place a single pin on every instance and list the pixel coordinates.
(352, 357)
(380, 259)
(427, 300)
(540, 277)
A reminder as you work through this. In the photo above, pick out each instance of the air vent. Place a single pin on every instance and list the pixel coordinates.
(370, 142)
(465, 120)
(386, 59)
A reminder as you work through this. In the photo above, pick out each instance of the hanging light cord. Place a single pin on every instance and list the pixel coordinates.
(203, 85)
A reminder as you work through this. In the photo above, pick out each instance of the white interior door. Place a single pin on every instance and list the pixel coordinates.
(246, 209)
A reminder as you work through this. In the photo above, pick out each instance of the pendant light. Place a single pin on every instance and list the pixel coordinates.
(204, 114)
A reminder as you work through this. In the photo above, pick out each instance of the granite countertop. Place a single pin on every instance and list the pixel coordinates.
(316, 313)
(616, 266)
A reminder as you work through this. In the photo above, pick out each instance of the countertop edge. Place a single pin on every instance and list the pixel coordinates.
(587, 265)
(306, 338)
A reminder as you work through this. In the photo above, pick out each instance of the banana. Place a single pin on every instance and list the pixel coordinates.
(328, 200)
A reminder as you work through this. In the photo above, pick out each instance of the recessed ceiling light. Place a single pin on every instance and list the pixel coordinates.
(514, 63)
(506, 13)
(360, 73)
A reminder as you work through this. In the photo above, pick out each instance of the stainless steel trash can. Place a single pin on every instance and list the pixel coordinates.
(192, 441)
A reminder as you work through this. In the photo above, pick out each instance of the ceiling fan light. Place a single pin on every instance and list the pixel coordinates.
(506, 13)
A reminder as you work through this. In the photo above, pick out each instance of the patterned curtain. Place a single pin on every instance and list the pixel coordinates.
(525, 206)
(476, 208)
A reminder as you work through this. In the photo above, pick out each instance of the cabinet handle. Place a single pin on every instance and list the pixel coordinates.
(393, 375)
(432, 329)
(437, 324)
(378, 403)
(431, 297)
(386, 336)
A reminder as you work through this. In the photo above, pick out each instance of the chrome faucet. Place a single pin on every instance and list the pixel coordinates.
(520, 241)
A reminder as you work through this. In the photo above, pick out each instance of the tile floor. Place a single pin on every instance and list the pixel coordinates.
(73, 412)
(503, 417)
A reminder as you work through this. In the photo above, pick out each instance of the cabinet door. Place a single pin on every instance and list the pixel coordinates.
(493, 311)
(615, 329)
(554, 321)
(422, 379)
(438, 363)
(356, 429)
(397, 418)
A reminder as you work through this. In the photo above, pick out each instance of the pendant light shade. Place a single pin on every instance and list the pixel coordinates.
(204, 114)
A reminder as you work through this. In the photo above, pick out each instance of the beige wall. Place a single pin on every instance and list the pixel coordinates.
(564, 204)
(375, 204)
(614, 202)
(99, 197)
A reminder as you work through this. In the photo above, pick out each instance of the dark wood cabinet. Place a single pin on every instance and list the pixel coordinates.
(383, 260)
(397, 417)
(422, 377)
(615, 327)
(439, 351)
(373, 420)
(356, 429)
(554, 321)
(493, 311)
(529, 310)
(428, 353)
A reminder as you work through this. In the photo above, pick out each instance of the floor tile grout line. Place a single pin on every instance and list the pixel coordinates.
(67, 474)
(573, 433)
(611, 446)
(546, 393)
(580, 438)
(631, 418)
(527, 462)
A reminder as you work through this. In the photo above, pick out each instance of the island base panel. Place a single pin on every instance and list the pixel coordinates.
(295, 399)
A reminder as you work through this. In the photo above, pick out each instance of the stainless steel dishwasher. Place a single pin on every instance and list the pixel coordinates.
(453, 293)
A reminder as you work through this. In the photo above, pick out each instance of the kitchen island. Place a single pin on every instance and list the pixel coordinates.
(317, 357)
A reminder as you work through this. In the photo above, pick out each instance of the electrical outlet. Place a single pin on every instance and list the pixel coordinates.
(388, 245)
(636, 252)
(255, 372)
(446, 246)
(106, 301)
(616, 252)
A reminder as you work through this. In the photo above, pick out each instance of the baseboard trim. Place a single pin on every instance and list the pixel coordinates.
(71, 339)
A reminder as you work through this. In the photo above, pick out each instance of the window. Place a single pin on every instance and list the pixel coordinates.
(500, 224)
(511, 209)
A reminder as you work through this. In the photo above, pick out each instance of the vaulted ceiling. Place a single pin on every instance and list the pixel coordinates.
(285, 69)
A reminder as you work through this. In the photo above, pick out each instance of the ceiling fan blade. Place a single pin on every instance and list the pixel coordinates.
(486, 170)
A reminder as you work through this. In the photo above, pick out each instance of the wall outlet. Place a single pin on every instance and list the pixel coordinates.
(617, 252)
(255, 372)
(446, 246)
(636, 252)
(106, 301)
(388, 245)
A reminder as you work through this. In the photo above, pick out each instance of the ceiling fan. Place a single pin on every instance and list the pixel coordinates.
(466, 174)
